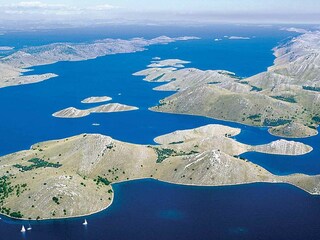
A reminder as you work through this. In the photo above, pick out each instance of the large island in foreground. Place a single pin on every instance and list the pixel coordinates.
(73, 176)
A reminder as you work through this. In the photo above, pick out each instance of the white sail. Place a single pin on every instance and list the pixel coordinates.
(23, 229)
(85, 222)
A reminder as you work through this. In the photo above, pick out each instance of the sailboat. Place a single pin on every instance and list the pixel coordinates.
(29, 228)
(85, 222)
(23, 229)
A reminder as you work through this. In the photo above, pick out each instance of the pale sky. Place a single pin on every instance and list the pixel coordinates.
(161, 11)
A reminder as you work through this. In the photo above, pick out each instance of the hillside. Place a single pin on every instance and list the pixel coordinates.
(74, 176)
(286, 98)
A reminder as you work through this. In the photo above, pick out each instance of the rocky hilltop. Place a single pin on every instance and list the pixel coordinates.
(96, 99)
(74, 176)
(286, 98)
(283, 147)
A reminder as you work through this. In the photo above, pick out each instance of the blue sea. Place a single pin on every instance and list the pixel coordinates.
(148, 209)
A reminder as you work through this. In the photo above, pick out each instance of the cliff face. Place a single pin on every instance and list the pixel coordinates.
(73, 176)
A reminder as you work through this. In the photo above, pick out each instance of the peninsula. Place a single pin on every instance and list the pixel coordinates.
(74, 176)
(286, 98)
(13, 76)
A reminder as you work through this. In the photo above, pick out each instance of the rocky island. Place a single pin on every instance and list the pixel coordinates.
(286, 98)
(96, 99)
(72, 112)
(14, 65)
(74, 176)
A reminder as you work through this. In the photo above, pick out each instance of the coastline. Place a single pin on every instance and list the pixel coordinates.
(22, 220)
(91, 163)
(291, 116)
(225, 120)
(21, 61)
(186, 184)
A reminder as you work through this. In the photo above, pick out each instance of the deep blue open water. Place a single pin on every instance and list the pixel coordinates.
(149, 209)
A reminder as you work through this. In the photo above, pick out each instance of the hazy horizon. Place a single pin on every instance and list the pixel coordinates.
(80, 12)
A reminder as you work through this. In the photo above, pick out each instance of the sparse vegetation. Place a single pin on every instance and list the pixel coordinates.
(110, 146)
(102, 180)
(239, 157)
(255, 117)
(56, 200)
(37, 163)
(310, 88)
(158, 77)
(16, 214)
(5, 188)
(316, 119)
(275, 122)
(179, 142)
(289, 99)
(164, 153)
(244, 82)
(256, 89)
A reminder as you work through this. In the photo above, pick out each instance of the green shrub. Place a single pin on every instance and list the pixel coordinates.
(37, 163)
(16, 214)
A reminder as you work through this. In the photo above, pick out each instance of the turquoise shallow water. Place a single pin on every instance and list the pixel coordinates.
(143, 209)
